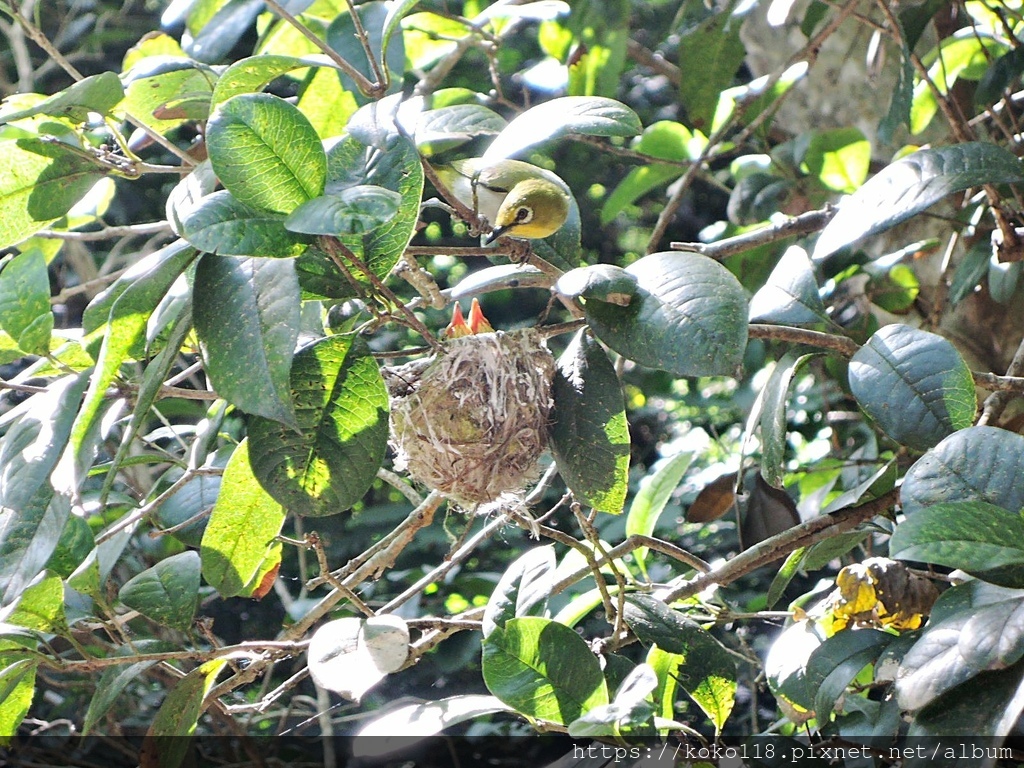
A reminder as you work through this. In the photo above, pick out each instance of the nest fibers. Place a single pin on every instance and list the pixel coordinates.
(472, 423)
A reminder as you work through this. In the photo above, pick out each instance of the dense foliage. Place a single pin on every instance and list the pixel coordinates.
(778, 423)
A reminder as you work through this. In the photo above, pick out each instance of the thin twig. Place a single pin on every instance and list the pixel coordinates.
(805, 223)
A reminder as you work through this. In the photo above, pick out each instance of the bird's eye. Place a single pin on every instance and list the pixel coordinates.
(523, 215)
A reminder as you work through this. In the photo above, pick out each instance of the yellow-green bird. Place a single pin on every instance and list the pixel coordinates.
(517, 199)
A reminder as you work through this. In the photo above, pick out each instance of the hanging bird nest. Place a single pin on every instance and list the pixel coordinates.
(472, 422)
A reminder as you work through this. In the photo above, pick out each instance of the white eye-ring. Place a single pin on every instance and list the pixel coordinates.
(524, 215)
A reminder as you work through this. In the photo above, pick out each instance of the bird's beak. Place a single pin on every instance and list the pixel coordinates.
(494, 235)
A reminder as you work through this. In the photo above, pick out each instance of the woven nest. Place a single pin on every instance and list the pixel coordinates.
(472, 424)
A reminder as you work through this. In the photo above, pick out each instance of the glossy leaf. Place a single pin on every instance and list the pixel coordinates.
(586, 115)
(982, 539)
(522, 589)
(839, 158)
(349, 656)
(973, 464)
(251, 74)
(354, 211)
(714, 50)
(543, 670)
(39, 182)
(589, 434)
(914, 384)
(775, 419)
(604, 282)
(96, 93)
(787, 660)
(222, 225)
(418, 721)
(911, 185)
(216, 28)
(438, 130)
(688, 317)
(25, 302)
(651, 498)
(247, 316)
(178, 716)
(708, 673)
(836, 662)
(790, 297)
(499, 278)
(265, 152)
(31, 516)
(341, 408)
(17, 683)
(163, 92)
(343, 37)
(41, 607)
(167, 593)
(116, 678)
(242, 528)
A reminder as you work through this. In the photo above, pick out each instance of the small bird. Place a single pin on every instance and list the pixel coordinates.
(517, 199)
(458, 328)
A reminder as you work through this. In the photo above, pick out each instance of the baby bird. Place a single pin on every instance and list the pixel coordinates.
(518, 199)
(458, 328)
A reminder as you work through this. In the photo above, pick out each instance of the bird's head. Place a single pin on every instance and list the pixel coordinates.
(533, 208)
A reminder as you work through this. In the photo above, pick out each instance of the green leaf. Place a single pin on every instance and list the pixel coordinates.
(31, 516)
(178, 716)
(604, 282)
(18, 683)
(498, 278)
(351, 655)
(837, 661)
(980, 538)
(222, 225)
(688, 317)
(40, 181)
(146, 282)
(839, 158)
(247, 316)
(629, 708)
(97, 93)
(787, 660)
(243, 525)
(543, 670)
(75, 544)
(774, 419)
(651, 498)
(41, 607)
(708, 672)
(589, 433)
(522, 589)
(911, 185)
(586, 115)
(990, 704)
(974, 464)
(637, 183)
(25, 302)
(969, 272)
(251, 74)
(265, 152)
(914, 384)
(1002, 74)
(354, 211)
(395, 165)
(116, 678)
(439, 130)
(163, 92)
(790, 297)
(167, 593)
(374, 17)
(215, 28)
(714, 50)
(958, 56)
(341, 407)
